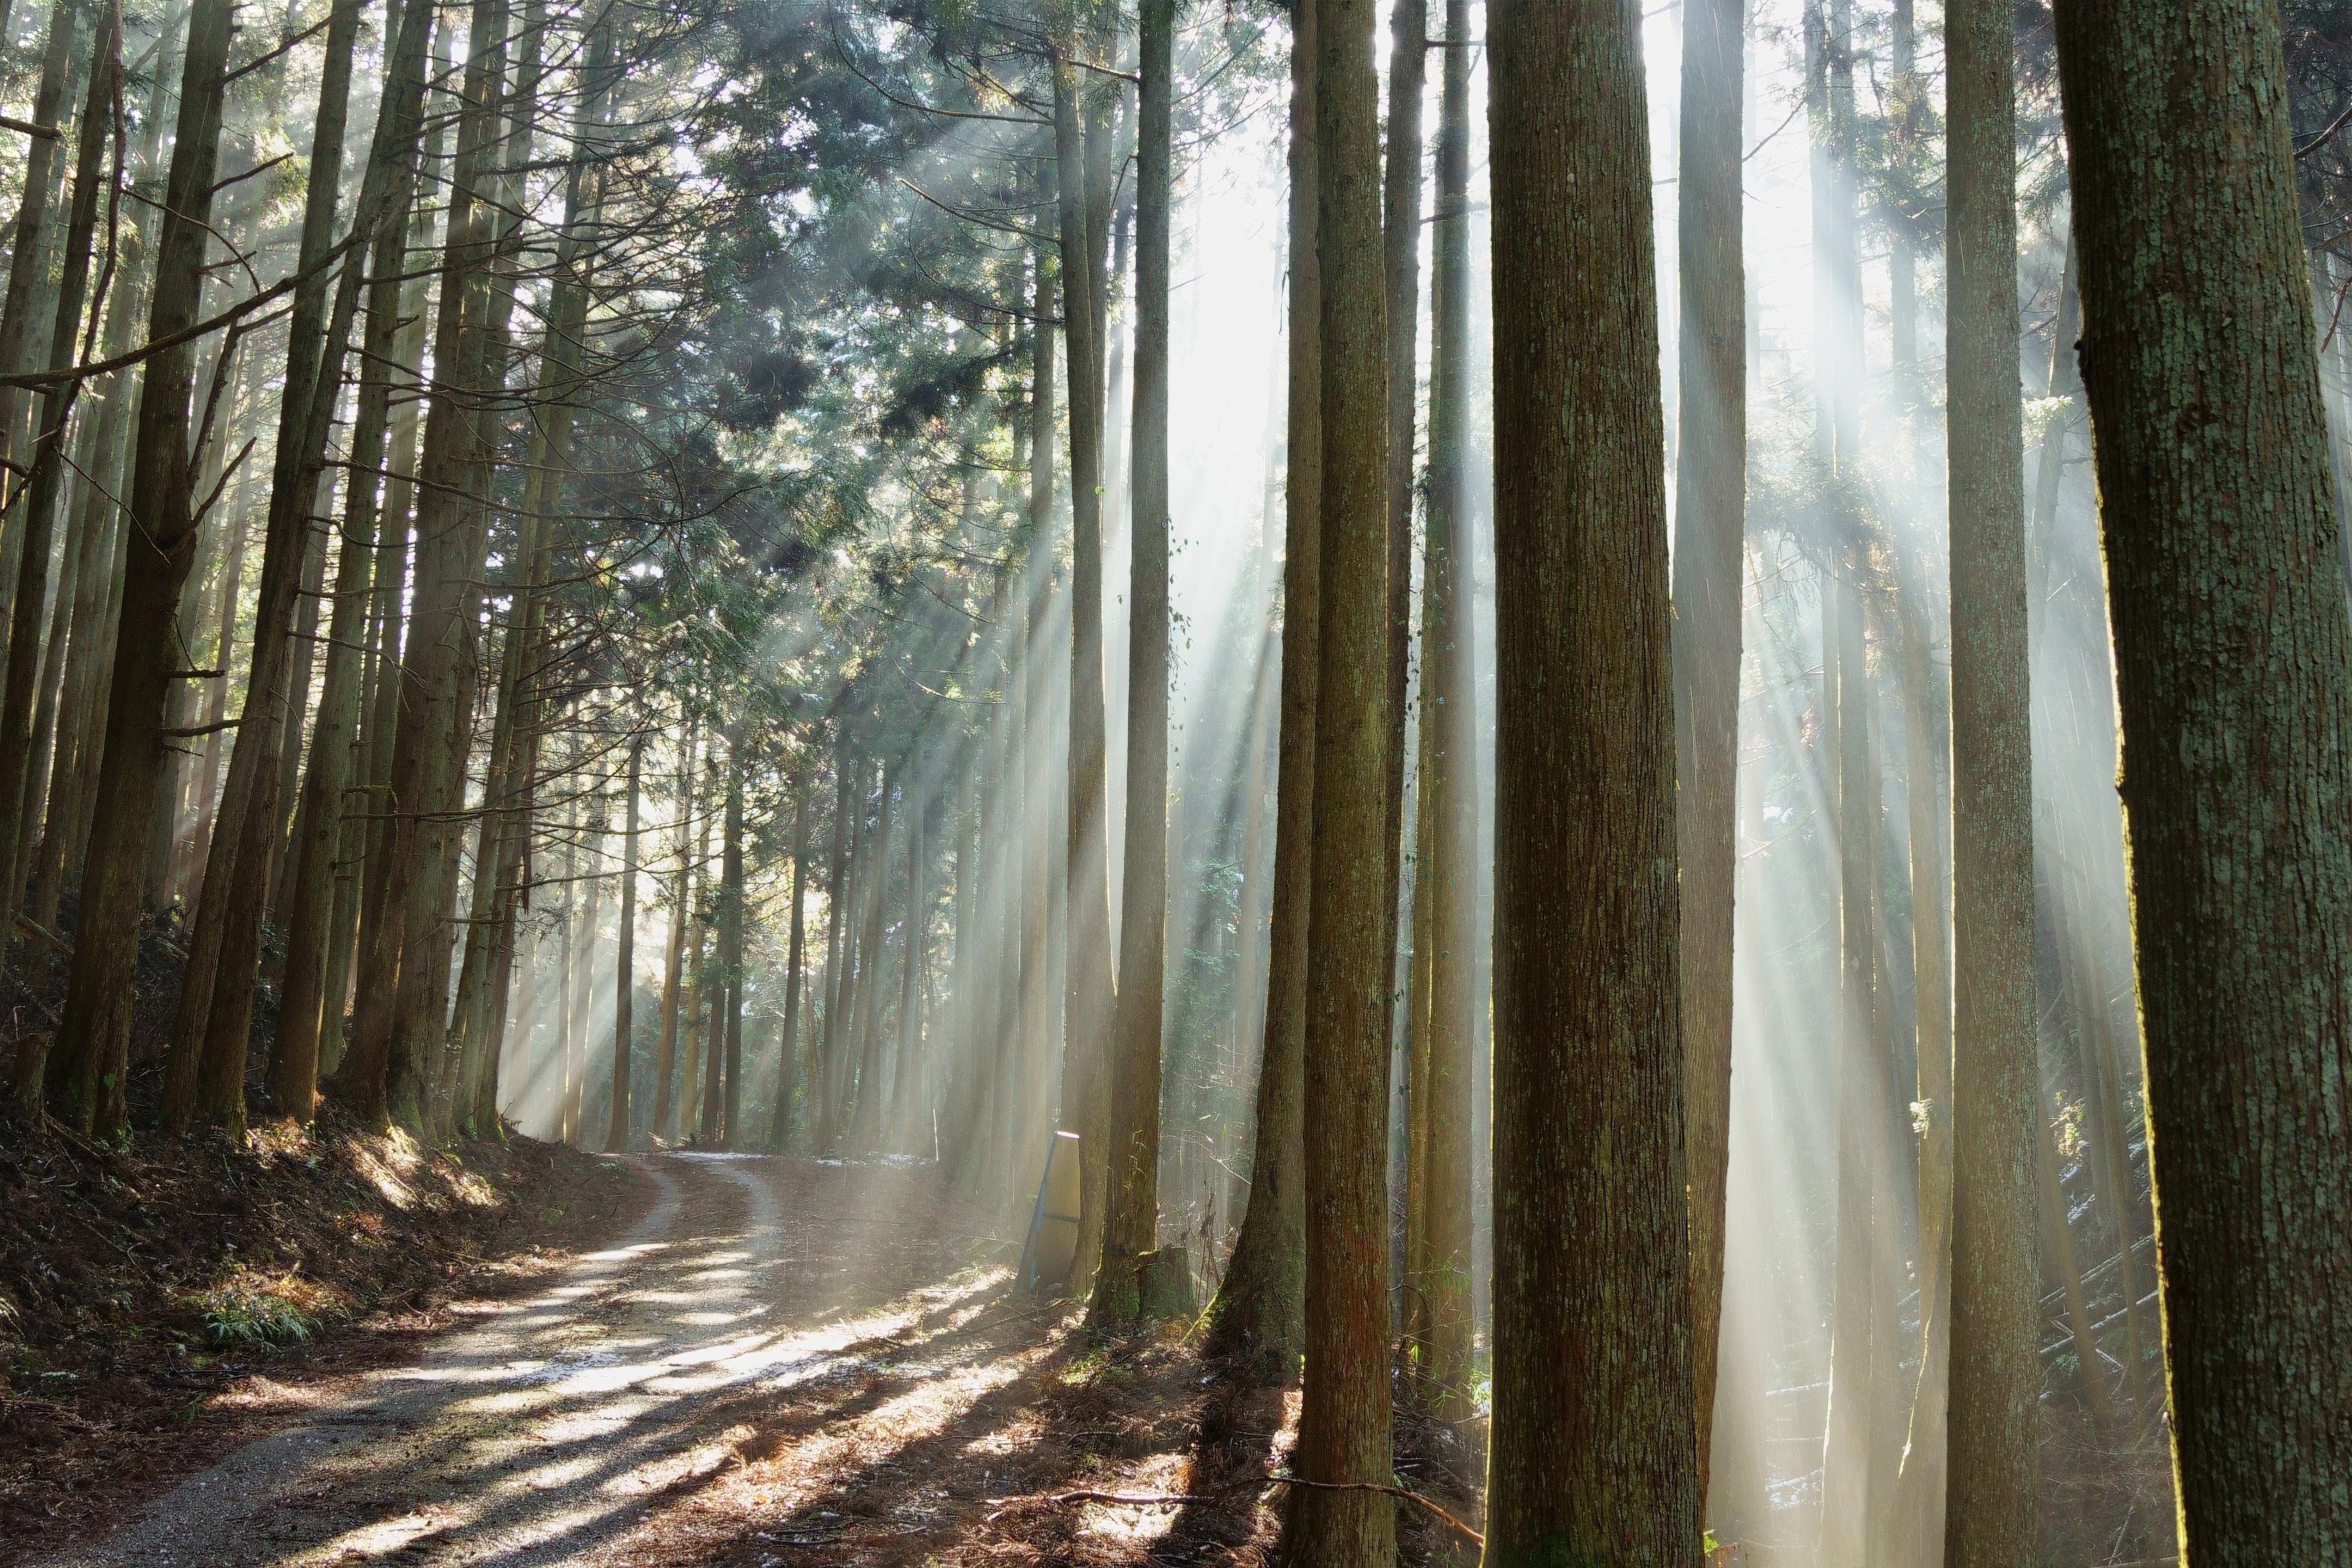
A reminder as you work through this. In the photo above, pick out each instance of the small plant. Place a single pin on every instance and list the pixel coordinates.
(245, 1311)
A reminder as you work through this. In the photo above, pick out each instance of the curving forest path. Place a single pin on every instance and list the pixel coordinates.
(786, 1362)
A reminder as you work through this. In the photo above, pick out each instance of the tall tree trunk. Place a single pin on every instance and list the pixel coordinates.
(681, 915)
(580, 999)
(37, 506)
(1133, 1225)
(730, 936)
(2231, 642)
(94, 1033)
(1408, 75)
(19, 305)
(1996, 1364)
(215, 1013)
(399, 1012)
(1343, 1432)
(310, 1000)
(825, 1129)
(780, 1129)
(1445, 880)
(1259, 1305)
(616, 1129)
(1594, 1454)
(87, 671)
(1091, 996)
(1710, 498)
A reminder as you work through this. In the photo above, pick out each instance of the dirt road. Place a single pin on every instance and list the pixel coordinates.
(786, 1363)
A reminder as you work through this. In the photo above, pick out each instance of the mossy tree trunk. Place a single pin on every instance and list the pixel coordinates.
(2231, 641)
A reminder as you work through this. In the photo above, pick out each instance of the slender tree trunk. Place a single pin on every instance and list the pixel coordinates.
(1259, 1305)
(89, 672)
(1343, 1433)
(1408, 74)
(1710, 496)
(94, 1033)
(18, 306)
(2231, 643)
(398, 1013)
(824, 1126)
(1996, 1367)
(216, 1012)
(1133, 1225)
(866, 1123)
(1594, 1454)
(681, 914)
(1447, 881)
(37, 508)
(730, 937)
(311, 1001)
(2051, 1196)
(1089, 1006)
(616, 1129)
(780, 1129)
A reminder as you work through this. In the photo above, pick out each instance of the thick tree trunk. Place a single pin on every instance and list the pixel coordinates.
(1710, 498)
(1259, 1304)
(1343, 1433)
(2231, 642)
(1996, 1364)
(1594, 1455)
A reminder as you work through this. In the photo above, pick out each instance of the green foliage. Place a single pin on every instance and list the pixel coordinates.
(245, 1311)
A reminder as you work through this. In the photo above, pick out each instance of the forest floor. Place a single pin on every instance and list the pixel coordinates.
(783, 1364)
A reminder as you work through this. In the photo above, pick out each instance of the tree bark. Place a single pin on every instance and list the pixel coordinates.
(1996, 1364)
(1343, 1433)
(1709, 570)
(1594, 1454)
(2231, 643)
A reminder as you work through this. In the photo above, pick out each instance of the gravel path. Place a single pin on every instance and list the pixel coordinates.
(551, 1430)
